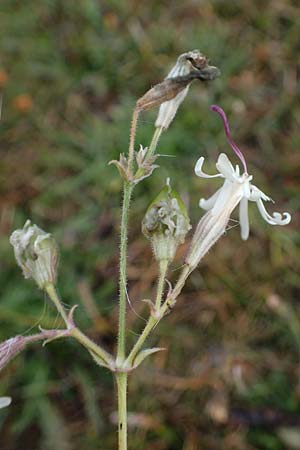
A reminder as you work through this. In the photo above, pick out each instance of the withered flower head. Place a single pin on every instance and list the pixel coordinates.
(171, 92)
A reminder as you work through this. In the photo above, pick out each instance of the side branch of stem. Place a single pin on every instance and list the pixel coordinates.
(160, 313)
(74, 331)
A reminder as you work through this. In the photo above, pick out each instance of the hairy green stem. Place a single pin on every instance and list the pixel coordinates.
(163, 267)
(171, 300)
(122, 379)
(134, 122)
(127, 193)
(154, 320)
(51, 291)
(74, 331)
(154, 141)
(91, 346)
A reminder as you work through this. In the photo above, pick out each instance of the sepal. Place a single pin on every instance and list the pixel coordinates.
(122, 166)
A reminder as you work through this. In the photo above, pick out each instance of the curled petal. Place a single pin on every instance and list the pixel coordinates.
(225, 167)
(276, 219)
(210, 202)
(200, 173)
(257, 194)
(244, 218)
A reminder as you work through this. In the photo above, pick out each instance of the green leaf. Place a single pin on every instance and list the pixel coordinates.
(144, 354)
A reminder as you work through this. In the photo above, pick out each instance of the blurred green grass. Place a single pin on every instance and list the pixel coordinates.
(70, 74)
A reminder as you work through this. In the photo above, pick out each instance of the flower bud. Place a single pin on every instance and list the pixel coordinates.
(37, 254)
(166, 223)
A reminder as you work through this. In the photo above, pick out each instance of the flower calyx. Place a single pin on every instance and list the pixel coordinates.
(166, 223)
(37, 254)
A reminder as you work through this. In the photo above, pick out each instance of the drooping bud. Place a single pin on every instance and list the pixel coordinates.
(37, 254)
(166, 223)
(189, 66)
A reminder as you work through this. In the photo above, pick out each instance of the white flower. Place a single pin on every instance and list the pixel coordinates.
(237, 189)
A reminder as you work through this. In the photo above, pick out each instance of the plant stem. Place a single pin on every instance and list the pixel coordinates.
(163, 267)
(127, 192)
(154, 141)
(51, 291)
(122, 409)
(171, 300)
(91, 346)
(122, 378)
(153, 321)
(134, 121)
(74, 331)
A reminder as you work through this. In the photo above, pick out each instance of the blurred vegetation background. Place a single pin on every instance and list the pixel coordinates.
(70, 73)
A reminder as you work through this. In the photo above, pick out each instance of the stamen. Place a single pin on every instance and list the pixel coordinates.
(234, 147)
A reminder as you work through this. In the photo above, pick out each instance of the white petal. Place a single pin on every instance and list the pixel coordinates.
(256, 194)
(200, 173)
(210, 202)
(244, 219)
(168, 109)
(5, 401)
(229, 196)
(225, 167)
(276, 219)
(246, 189)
